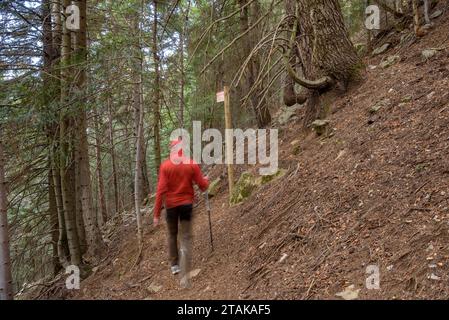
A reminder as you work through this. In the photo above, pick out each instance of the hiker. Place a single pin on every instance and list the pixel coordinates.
(175, 187)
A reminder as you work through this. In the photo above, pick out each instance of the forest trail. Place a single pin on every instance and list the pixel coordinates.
(374, 192)
(219, 276)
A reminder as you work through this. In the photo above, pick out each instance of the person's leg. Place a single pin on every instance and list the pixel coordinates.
(172, 228)
(185, 216)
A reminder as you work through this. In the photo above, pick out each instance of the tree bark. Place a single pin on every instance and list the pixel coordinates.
(139, 118)
(54, 136)
(49, 90)
(182, 66)
(93, 235)
(103, 214)
(62, 247)
(54, 226)
(138, 177)
(66, 136)
(324, 49)
(157, 90)
(6, 289)
(137, 70)
(113, 157)
(80, 228)
(416, 18)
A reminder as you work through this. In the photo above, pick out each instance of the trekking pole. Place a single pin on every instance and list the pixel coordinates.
(206, 195)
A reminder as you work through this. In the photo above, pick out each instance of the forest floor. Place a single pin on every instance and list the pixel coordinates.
(374, 192)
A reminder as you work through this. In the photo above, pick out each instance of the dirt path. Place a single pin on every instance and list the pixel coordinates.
(219, 276)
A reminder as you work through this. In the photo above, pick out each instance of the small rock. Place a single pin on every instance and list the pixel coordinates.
(408, 98)
(389, 268)
(194, 273)
(436, 14)
(381, 49)
(264, 179)
(428, 54)
(243, 188)
(287, 114)
(154, 288)
(320, 126)
(294, 143)
(434, 277)
(379, 105)
(391, 60)
(296, 147)
(373, 119)
(350, 293)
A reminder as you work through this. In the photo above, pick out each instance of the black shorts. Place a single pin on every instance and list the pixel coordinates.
(183, 213)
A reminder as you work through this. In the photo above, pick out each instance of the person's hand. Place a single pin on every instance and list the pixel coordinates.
(155, 222)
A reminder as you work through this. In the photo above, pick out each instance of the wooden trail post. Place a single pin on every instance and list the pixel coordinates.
(225, 97)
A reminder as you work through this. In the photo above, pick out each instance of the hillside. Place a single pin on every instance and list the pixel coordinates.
(373, 192)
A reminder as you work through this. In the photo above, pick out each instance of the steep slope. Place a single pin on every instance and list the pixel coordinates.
(373, 192)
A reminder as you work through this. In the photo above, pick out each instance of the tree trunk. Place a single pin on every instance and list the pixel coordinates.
(138, 117)
(49, 85)
(138, 177)
(289, 93)
(6, 289)
(157, 90)
(137, 70)
(80, 228)
(113, 158)
(66, 136)
(325, 50)
(62, 247)
(93, 235)
(103, 216)
(67, 169)
(182, 66)
(54, 226)
(416, 18)
(54, 136)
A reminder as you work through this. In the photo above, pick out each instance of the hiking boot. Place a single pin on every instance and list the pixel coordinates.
(175, 269)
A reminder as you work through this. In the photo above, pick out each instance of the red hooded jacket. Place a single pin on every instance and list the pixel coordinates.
(176, 183)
